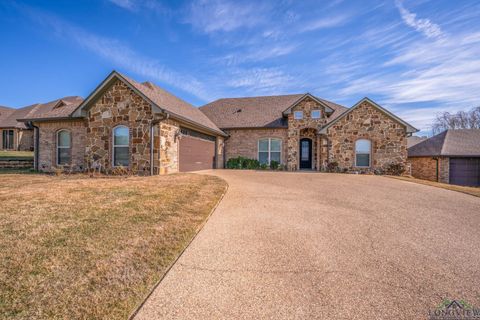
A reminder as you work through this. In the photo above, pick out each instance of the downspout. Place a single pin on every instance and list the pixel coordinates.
(152, 138)
(36, 147)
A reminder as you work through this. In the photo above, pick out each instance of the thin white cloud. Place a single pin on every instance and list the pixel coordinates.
(125, 4)
(121, 55)
(211, 16)
(260, 80)
(425, 26)
(324, 23)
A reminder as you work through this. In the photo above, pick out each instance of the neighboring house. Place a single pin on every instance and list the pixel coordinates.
(305, 132)
(143, 128)
(15, 135)
(123, 123)
(452, 156)
(413, 140)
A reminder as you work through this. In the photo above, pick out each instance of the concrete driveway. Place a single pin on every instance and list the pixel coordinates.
(326, 246)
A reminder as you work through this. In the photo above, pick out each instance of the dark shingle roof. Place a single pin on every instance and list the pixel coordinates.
(461, 142)
(10, 119)
(167, 101)
(252, 112)
(60, 108)
(413, 140)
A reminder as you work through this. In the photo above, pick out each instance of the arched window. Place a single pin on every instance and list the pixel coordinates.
(64, 154)
(363, 149)
(121, 137)
(269, 149)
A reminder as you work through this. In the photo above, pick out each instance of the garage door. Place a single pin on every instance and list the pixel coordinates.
(465, 171)
(197, 151)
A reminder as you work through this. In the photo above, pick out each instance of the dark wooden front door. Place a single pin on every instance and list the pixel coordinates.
(305, 153)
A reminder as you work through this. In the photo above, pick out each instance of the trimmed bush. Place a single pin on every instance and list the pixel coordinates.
(274, 165)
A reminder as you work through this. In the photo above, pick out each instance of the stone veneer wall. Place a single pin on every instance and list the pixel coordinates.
(444, 168)
(220, 153)
(244, 142)
(48, 142)
(119, 105)
(388, 138)
(169, 146)
(295, 131)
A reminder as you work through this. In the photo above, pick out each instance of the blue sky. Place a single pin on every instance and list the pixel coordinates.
(415, 58)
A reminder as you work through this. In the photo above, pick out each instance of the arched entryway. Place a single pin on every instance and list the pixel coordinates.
(305, 152)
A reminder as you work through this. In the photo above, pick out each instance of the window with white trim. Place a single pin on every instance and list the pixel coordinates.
(64, 151)
(315, 114)
(363, 149)
(269, 149)
(121, 152)
(298, 115)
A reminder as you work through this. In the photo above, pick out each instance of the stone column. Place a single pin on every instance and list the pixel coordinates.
(292, 150)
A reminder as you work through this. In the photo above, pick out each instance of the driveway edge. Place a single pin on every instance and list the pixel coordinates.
(137, 309)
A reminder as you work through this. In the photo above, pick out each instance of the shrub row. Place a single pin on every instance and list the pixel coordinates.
(252, 164)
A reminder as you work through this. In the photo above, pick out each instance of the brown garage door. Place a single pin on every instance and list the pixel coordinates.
(196, 153)
(465, 171)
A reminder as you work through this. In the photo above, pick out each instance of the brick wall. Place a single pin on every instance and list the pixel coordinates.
(244, 142)
(424, 168)
(388, 138)
(48, 143)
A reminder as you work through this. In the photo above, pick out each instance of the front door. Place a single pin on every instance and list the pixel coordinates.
(305, 153)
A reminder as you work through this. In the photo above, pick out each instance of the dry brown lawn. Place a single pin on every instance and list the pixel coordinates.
(84, 248)
(468, 190)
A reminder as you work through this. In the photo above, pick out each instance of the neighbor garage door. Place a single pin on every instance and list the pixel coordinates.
(465, 171)
(197, 151)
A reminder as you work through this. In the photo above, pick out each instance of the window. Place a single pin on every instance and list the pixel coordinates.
(63, 147)
(362, 153)
(121, 137)
(269, 149)
(297, 115)
(7, 136)
(315, 114)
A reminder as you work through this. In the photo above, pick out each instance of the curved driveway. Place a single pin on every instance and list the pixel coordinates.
(326, 246)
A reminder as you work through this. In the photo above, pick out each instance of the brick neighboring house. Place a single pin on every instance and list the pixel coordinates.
(305, 132)
(150, 131)
(123, 123)
(15, 135)
(452, 156)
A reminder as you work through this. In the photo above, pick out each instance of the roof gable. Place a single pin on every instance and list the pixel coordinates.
(409, 127)
(160, 100)
(308, 95)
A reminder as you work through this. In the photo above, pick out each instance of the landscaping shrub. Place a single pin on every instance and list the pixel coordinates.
(332, 166)
(395, 169)
(242, 163)
(274, 165)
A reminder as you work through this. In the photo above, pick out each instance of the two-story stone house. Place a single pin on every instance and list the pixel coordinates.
(145, 129)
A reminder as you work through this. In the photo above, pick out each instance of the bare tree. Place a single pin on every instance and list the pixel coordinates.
(460, 120)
